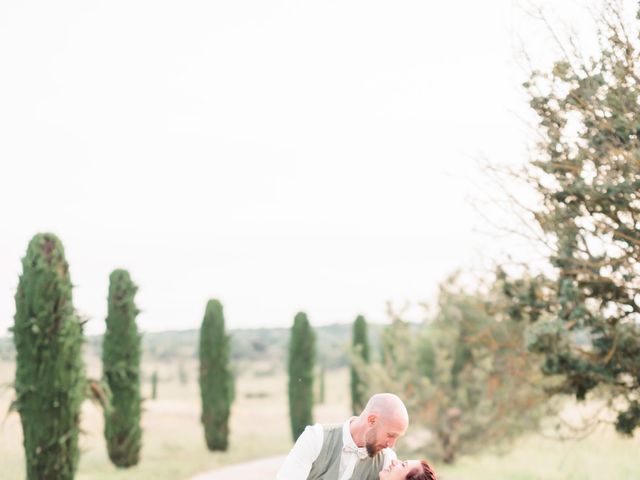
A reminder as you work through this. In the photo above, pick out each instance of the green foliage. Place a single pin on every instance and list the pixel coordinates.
(360, 348)
(216, 378)
(466, 376)
(121, 370)
(247, 345)
(50, 379)
(302, 353)
(154, 385)
(321, 384)
(183, 376)
(587, 173)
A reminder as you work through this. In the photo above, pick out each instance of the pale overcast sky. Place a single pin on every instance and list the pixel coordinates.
(278, 155)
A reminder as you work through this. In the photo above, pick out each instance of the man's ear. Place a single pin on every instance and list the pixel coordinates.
(372, 419)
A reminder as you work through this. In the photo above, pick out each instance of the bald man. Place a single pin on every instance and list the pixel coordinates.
(357, 449)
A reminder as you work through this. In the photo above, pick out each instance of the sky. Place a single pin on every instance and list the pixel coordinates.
(278, 156)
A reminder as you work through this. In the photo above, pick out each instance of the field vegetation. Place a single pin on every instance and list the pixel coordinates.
(174, 448)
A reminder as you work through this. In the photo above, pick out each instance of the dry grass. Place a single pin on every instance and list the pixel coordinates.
(174, 446)
(602, 456)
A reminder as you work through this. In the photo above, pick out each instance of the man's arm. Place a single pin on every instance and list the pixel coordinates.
(298, 463)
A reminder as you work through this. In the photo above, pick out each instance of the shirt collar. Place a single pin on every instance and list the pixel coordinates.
(347, 439)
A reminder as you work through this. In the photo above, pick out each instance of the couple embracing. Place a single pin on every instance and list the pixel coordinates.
(359, 449)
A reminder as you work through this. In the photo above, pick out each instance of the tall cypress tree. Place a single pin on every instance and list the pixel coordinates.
(321, 380)
(302, 354)
(154, 385)
(121, 370)
(50, 378)
(216, 378)
(361, 349)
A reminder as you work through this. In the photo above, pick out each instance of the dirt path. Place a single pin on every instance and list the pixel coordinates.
(265, 468)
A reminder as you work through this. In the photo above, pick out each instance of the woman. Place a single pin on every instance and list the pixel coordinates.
(408, 470)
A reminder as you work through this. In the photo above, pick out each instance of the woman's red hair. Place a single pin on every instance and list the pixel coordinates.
(427, 472)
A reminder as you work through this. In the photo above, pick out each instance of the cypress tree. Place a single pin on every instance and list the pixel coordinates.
(321, 391)
(50, 377)
(216, 378)
(154, 385)
(121, 371)
(361, 349)
(301, 362)
(183, 376)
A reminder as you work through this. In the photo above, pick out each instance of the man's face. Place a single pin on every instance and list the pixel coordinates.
(383, 433)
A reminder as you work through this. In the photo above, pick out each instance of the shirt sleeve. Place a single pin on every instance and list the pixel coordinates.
(389, 455)
(298, 463)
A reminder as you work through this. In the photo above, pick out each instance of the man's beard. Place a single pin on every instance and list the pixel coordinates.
(372, 448)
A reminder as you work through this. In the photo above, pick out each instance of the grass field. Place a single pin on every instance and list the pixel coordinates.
(174, 445)
(603, 456)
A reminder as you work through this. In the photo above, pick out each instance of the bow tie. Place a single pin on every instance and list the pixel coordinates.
(360, 452)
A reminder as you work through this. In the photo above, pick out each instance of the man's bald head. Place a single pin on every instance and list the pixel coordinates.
(387, 405)
(384, 420)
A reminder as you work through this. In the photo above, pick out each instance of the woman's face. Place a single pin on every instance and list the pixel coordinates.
(398, 469)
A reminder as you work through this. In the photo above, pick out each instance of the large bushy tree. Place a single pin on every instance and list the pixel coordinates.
(586, 171)
(360, 348)
(50, 380)
(216, 378)
(466, 375)
(302, 353)
(121, 352)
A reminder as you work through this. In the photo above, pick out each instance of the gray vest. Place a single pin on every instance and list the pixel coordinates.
(327, 464)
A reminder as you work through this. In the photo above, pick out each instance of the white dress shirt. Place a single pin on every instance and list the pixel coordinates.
(298, 463)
